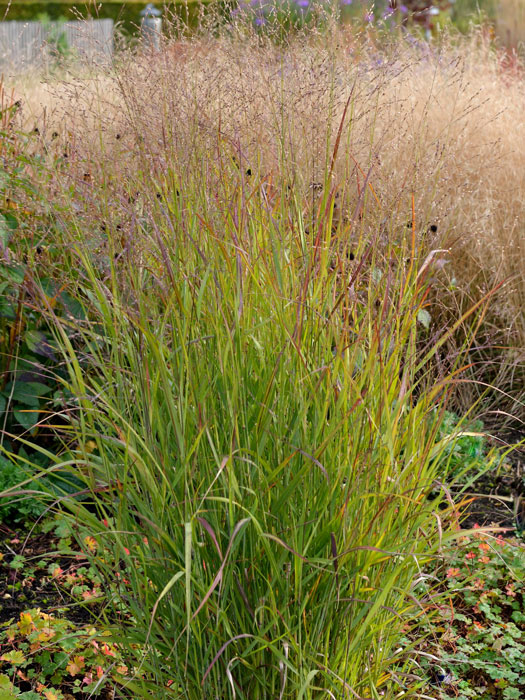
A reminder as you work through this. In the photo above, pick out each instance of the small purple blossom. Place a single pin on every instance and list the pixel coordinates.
(403, 9)
(260, 21)
(346, 2)
(369, 17)
(302, 3)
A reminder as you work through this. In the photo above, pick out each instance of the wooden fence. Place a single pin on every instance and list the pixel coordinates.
(25, 44)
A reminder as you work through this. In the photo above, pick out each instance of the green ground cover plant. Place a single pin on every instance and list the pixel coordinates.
(10, 478)
(469, 451)
(479, 643)
(52, 644)
(55, 657)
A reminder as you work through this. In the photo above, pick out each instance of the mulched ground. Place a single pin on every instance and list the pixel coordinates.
(499, 499)
(34, 587)
(31, 586)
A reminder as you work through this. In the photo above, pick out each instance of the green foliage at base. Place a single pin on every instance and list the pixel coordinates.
(17, 510)
(46, 647)
(478, 650)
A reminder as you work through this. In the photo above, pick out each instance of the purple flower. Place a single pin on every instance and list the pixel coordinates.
(302, 3)
(260, 21)
(403, 9)
(346, 2)
(369, 17)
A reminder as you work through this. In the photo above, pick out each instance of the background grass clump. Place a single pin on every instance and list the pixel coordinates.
(439, 122)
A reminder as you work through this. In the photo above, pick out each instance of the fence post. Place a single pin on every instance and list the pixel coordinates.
(151, 26)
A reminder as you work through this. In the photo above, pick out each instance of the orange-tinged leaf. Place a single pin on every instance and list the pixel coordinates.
(75, 665)
(51, 695)
(25, 625)
(90, 543)
(14, 657)
(46, 633)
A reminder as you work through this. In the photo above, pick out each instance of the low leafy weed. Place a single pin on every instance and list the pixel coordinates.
(480, 644)
(50, 656)
(50, 643)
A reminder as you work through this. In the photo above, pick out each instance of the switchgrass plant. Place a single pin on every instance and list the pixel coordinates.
(258, 382)
(258, 436)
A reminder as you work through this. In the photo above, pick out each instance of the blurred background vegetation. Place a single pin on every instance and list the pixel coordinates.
(126, 14)
(506, 17)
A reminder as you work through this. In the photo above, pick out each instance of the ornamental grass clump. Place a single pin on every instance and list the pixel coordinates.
(262, 439)
(257, 384)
